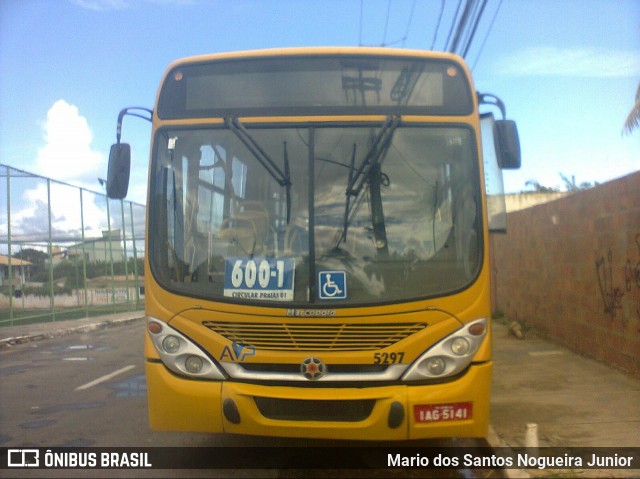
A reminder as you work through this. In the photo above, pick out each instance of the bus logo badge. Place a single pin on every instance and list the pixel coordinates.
(23, 458)
(237, 352)
(333, 285)
(313, 369)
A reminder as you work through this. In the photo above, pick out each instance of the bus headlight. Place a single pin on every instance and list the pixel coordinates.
(460, 346)
(194, 364)
(171, 344)
(436, 366)
(181, 355)
(449, 356)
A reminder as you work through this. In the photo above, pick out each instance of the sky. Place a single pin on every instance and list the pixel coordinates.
(567, 70)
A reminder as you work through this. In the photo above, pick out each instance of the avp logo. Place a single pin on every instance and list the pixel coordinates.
(23, 458)
(237, 352)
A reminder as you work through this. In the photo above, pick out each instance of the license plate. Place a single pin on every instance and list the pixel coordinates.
(459, 411)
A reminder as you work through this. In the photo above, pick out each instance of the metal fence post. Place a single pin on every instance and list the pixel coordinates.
(51, 288)
(9, 253)
(84, 257)
(126, 257)
(110, 242)
(135, 258)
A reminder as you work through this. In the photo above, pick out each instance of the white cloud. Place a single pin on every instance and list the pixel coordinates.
(30, 216)
(109, 5)
(101, 5)
(67, 154)
(588, 62)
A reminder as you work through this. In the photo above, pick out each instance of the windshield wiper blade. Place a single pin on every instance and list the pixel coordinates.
(283, 179)
(380, 143)
(358, 180)
(345, 224)
(256, 150)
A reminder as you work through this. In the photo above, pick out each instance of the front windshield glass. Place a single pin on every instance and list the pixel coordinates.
(347, 215)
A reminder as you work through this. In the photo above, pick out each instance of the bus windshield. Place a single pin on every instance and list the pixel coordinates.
(343, 214)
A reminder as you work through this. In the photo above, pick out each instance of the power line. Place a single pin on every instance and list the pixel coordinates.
(386, 43)
(386, 24)
(406, 33)
(435, 33)
(453, 25)
(465, 26)
(466, 35)
(461, 26)
(360, 29)
(486, 36)
(476, 22)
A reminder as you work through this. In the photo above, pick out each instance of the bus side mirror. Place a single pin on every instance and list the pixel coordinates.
(508, 144)
(119, 170)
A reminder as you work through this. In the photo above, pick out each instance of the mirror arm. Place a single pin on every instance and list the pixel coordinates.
(127, 111)
(490, 99)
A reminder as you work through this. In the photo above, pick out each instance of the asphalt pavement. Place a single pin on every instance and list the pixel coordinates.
(541, 391)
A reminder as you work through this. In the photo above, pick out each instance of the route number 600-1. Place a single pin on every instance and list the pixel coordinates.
(252, 272)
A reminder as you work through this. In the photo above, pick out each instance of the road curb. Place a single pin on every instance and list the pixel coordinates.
(496, 441)
(10, 342)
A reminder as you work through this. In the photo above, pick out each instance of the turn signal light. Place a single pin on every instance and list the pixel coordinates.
(477, 329)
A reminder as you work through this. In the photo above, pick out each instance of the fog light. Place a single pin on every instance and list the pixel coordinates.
(436, 366)
(193, 364)
(171, 344)
(460, 346)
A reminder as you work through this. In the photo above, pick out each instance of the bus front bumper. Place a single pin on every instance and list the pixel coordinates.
(459, 408)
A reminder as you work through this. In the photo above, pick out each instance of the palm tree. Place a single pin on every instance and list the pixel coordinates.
(633, 120)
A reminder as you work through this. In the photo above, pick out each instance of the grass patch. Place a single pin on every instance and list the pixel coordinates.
(36, 316)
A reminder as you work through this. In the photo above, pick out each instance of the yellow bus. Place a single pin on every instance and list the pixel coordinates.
(317, 258)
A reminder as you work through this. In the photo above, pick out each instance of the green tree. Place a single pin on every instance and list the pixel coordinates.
(539, 188)
(633, 119)
(33, 256)
(571, 185)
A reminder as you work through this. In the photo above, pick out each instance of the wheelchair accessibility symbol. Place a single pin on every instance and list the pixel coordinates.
(333, 285)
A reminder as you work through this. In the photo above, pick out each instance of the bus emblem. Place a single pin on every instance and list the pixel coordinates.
(237, 352)
(313, 369)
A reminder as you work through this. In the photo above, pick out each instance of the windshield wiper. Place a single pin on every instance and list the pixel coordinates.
(370, 165)
(282, 178)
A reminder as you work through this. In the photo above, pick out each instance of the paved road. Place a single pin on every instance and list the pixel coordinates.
(81, 390)
(89, 389)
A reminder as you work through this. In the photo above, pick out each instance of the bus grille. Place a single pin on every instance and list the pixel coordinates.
(315, 410)
(315, 337)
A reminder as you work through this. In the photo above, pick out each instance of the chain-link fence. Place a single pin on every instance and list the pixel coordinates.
(66, 252)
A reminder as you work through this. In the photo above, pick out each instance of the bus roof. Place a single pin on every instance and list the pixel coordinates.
(317, 51)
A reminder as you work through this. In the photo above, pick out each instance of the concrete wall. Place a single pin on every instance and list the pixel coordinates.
(520, 201)
(571, 269)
